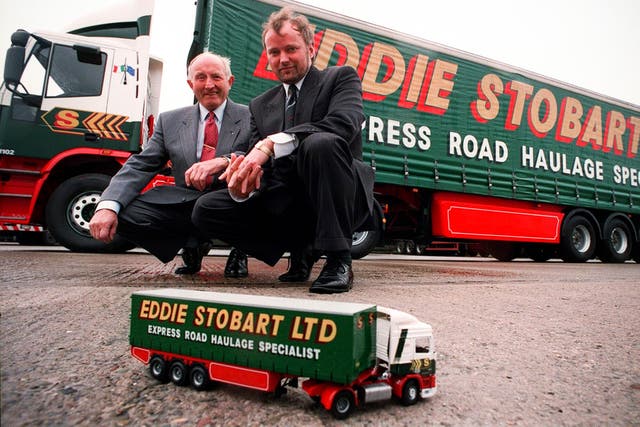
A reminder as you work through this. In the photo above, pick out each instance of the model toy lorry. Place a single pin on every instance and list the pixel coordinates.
(349, 354)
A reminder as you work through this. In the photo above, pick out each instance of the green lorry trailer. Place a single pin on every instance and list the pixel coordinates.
(464, 149)
(348, 354)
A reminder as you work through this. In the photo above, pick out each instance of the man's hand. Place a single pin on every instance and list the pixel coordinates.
(244, 173)
(196, 176)
(103, 225)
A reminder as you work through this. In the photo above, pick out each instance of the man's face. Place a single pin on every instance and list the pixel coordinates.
(289, 56)
(208, 82)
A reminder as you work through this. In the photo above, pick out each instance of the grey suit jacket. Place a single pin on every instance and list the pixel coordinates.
(175, 138)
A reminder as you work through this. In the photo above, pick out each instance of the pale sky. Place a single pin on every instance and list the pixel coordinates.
(593, 44)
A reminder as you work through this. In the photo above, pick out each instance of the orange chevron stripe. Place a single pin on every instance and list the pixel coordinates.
(106, 125)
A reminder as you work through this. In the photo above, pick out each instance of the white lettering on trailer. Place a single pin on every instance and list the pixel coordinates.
(227, 341)
(626, 176)
(561, 163)
(395, 133)
(469, 147)
(300, 352)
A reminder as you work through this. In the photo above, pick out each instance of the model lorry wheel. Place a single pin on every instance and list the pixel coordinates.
(342, 404)
(410, 392)
(617, 243)
(578, 240)
(158, 369)
(70, 209)
(178, 373)
(199, 378)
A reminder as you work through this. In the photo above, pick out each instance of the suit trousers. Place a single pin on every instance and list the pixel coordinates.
(305, 198)
(161, 229)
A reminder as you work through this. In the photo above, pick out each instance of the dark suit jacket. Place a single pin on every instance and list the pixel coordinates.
(329, 101)
(175, 138)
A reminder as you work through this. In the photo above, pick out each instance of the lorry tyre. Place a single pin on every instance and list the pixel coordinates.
(616, 244)
(410, 392)
(504, 251)
(178, 373)
(70, 209)
(342, 404)
(540, 252)
(578, 240)
(158, 369)
(410, 248)
(365, 241)
(199, 378)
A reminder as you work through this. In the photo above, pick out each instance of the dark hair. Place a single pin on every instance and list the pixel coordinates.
(286, 14)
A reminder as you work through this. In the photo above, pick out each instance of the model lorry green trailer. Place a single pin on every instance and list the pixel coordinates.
(465, 148)
(348, 353)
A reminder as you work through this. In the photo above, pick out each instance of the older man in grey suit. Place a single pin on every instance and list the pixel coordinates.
(160, 220)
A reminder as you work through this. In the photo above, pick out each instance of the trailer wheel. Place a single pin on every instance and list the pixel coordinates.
(410, 248)
(504, 251)
(410, 393)
(617, 243)
(342, 404)
(70, 209)
(199, 378)
(540, 252)
(178, 373)
(158, 369)
(578, 240)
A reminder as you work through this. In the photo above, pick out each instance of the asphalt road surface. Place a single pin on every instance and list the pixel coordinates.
(520, 343)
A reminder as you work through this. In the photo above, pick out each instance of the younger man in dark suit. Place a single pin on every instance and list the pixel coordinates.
(160, 219)
(303, 186)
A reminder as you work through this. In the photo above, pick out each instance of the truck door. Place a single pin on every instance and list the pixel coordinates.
(59, 85)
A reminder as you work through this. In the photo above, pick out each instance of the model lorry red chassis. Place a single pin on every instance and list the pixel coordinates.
(349, 354)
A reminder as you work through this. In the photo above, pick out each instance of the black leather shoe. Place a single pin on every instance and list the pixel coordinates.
(300, 265)
(236, 264)
(336, 276)
(192, 258)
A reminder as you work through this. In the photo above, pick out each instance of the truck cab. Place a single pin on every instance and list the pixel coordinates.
(406, 347)
(73, 107)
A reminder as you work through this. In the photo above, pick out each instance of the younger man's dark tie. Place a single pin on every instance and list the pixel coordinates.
(291, 107)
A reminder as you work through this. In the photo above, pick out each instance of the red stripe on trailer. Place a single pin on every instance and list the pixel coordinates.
(142, 354)
(246, 377)
(490, 218)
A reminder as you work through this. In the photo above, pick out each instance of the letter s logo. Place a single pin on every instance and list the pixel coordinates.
(66, 119)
